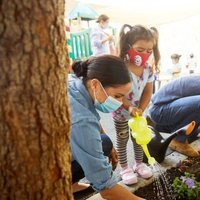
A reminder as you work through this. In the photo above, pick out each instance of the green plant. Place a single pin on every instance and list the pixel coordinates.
(186, 187)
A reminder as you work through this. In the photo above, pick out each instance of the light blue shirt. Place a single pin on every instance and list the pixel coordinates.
(86, 144)
(96, 36)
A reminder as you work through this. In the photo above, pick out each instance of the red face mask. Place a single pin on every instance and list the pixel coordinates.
(138, 58)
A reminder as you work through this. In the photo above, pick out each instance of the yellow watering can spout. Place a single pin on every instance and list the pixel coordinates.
(142, 134)
(151, 160)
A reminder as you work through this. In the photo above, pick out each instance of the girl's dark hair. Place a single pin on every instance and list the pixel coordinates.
(156, 51)
(131, 34)
(110, 70)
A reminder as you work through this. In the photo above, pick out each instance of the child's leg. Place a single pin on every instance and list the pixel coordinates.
(122, 136)
(140, 168)
(127, 174)
(138, 151)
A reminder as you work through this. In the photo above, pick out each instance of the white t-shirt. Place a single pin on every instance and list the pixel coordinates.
(138, 85)
(96, 36)
(192, 63)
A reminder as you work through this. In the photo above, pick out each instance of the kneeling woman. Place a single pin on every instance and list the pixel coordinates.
(99, 83)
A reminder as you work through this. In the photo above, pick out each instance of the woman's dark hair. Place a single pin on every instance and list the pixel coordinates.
(110, 70)
(102, 18)
(131, 34)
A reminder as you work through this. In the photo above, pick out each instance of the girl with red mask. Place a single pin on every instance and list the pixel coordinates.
(136, 45)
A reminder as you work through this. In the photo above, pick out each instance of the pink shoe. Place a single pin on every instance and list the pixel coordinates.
(143, 170)
(128, 176)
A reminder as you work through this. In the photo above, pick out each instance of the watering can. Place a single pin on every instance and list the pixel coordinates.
(142, 134)
(158, 145)
(151, 141)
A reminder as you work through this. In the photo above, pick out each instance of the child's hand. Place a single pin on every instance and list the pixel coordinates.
(133, 110)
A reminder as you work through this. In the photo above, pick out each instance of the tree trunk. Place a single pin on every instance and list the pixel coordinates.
(34, 117)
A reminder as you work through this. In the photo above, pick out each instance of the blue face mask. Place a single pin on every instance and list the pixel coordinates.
(109, 105)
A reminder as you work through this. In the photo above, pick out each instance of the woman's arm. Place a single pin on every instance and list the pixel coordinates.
(107, 38)
(96, 40)
(146, 96)
(118, 192)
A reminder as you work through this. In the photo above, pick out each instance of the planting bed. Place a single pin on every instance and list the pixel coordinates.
(191, 165)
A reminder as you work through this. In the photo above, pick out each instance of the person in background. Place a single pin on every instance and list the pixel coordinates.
(135, 47)
(175, 105)
(99, 83)
(175, 69)
(100, 40)
(192, 64)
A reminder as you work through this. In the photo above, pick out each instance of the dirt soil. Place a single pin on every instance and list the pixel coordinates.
(191, 165)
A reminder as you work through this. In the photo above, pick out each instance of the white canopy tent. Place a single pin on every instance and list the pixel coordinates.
(154, 12)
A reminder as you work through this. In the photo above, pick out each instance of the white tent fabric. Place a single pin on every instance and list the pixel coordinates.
(154, 12)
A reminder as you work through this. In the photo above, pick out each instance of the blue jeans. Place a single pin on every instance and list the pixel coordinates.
(174, 115)
(77, 171)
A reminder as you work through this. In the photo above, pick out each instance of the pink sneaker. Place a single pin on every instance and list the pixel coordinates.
(143, 170)
(128, 176)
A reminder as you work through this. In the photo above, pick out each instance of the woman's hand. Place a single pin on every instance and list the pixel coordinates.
(133, 110)
(113, 158)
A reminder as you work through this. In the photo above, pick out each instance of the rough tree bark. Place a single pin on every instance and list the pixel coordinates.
(34, 117)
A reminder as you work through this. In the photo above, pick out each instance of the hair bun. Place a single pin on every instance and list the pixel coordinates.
(80, 68)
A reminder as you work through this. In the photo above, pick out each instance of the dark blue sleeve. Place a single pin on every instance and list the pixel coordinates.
(176, 89)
